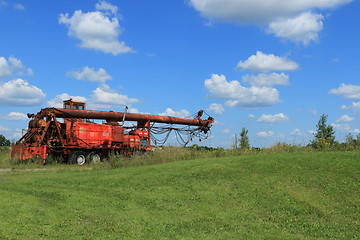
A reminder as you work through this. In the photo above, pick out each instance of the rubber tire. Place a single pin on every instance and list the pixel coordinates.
(94, 157)
(78, 157)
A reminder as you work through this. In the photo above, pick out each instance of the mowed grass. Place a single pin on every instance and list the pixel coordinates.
(311, 195)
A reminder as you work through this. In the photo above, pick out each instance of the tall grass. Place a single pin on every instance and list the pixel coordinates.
(169, 154)
(5, 159)
(163, 155)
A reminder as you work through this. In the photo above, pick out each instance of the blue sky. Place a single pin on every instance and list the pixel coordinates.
(271, 67)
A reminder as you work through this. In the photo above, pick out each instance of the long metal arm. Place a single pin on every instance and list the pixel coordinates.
(119, 116)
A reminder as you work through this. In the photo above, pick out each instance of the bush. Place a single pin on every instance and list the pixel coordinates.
(4, 141)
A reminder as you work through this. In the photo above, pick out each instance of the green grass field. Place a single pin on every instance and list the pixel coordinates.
(312, 195)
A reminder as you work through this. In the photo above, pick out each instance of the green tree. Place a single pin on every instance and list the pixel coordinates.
(351, 141)
(244, 139)
(324, 135)
(4, 141)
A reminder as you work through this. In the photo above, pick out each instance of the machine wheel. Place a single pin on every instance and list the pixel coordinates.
(94, 157)
(78, 157)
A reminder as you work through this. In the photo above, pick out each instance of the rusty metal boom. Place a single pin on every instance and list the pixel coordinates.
(119, 116)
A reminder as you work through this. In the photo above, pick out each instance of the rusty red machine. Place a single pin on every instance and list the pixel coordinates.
(78, 139)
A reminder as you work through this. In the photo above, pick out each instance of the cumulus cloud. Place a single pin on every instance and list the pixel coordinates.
(278, 15)
(216, 108)
(105, 6)
(261, 62)
(268, 80)
(296, 132)
(19, 92)
(355, 107)
(345, 118)
(14, 66)
(58, 100)
(265, 134)
(102, 97)
(105, 97)
(14, 116)
(170, 112)
(90, 74)
(344, 128)
(97, 30)
(268, 118)
(303, 28)
(240, 96)
(347, 91)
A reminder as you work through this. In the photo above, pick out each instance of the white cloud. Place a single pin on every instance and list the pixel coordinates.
(296, 132)
(97, 30)
(268, 118)
(262, 62)
(265, 134)
(279, 15)
(268, 80)
(303, 28)
(347, 91)
(19, 6)
(105, 6)
(17, 134)
(216, 108)
(3, 4)
(170, 112)
(14, 66)
(344, 128)
(355, 107)
(90, 74)
(226, 131)
(14, 116)
(57, 101)
(16, 6)
(4, 129)
(105, 97)
(258, 11)
(251, 116)
(345, 118)
(312, 132)
(240, 96)
(19, 92)
(217, 123)
(314, 112)
(133, 110)
(4, 67)
(102, 97)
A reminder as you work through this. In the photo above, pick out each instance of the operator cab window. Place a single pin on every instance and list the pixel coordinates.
(70, 104)
(78, 107)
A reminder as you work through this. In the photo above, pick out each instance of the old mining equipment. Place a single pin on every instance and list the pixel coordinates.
(78, 139)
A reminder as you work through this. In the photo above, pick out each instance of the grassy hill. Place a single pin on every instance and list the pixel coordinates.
(311, 195)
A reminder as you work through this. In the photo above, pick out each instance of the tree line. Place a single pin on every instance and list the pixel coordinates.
(324, 138)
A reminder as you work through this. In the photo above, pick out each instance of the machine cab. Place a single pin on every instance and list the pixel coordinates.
(76, 105)
(71, 104)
